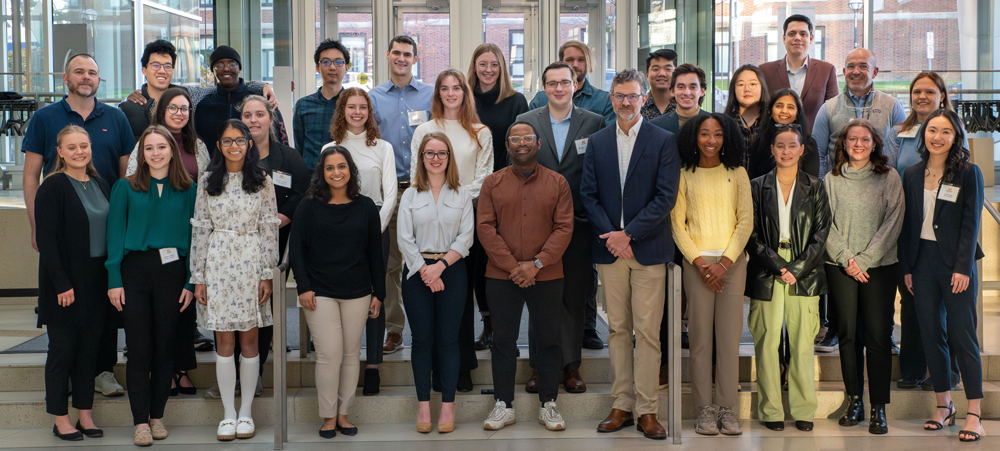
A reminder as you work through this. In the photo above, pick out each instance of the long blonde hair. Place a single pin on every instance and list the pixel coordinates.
(467, 115)
(506, 87)
(60, 163)
(450, 173)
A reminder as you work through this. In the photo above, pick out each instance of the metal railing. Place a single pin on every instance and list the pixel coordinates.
(280, 356)
(673, 310)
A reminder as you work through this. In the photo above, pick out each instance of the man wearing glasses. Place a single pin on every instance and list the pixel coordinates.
(579, 57)
(563, 130)
(311, 123)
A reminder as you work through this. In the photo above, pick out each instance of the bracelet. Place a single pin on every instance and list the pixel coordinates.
(724, 268)
(446, 265)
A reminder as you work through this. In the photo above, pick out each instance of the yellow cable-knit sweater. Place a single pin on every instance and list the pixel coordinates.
(714, 211)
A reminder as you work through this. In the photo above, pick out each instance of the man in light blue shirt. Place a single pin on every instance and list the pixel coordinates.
(401, 104)
(560, 128)
(859, 100)
(578, 56)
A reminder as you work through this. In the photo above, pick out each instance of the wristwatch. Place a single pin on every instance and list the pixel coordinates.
(538, 263)
(629, 235)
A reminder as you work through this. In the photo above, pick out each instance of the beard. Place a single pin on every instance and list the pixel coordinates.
(74, 88)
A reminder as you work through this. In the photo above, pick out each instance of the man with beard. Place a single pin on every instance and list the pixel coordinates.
(525, 223)
(111, 141)
(660, 67)
(579, 57)
(630, 176)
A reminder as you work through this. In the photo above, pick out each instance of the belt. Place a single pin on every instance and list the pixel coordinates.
(785, 245)
(434, 256)
(404, 185)
(235, 232)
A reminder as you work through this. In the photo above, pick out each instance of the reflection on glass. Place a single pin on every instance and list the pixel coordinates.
(432, 33)
(103, 29)
(355, 32)
(506, 30)
(183, 33)
(573, 26)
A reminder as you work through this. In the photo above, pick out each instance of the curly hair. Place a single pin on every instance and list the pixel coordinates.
(319, 189)
(958, 155)
(731, 153)
(880, 163)
(254, 176)
(338, 124)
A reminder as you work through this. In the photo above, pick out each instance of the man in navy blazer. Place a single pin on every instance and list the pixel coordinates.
(629, 185)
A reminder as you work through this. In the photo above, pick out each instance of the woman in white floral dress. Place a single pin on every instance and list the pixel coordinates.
(234, 246)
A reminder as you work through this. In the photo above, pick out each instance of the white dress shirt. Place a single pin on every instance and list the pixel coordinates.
(626, 141)
(797, 78)
(784, 212)
(927, 226)
(428, 226)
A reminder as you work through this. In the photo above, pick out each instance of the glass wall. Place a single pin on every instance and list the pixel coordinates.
(103, 29)
(355, 32)
(506, 30)
(432, 32)
(183, 32)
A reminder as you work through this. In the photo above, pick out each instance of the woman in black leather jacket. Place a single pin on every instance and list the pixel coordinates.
(785, 278)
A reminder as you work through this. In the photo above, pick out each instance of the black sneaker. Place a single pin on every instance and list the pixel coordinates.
(829, 342)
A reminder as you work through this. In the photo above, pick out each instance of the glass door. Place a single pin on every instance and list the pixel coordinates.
(511, 25)
(430, 27)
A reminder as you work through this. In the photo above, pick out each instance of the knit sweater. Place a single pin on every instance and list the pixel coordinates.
(867, 217)
(714, 211)
(498, 117)
(474, 160)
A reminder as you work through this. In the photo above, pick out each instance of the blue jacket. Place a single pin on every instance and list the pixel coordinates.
(588, 98)
(649, 193)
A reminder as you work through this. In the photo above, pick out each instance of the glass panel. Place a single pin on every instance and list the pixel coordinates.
(187, 6)
(506, 30)
(610, 26)
(433, 35)
(266, 41)
(183, 33)
(103, 29)
(355, 32)
(206, 35)
(573, 26)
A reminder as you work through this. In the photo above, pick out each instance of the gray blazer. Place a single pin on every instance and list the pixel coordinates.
(582, 124)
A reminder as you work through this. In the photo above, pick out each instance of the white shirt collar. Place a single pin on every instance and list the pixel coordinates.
(805, 64)
(632, 131)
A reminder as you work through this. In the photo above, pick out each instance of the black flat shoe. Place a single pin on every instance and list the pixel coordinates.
(92, 433)
(855, 412)
(804, 425)
(878, 424)
(372, 381)
(464, 381)
(348, 431)
(775, 425)
(72, 437)
(328, 434)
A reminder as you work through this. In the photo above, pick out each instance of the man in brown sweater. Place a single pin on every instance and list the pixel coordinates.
(525, 223)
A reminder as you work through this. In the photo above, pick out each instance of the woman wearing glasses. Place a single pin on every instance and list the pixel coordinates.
(233, 250)
(436, 223)
(498, 105)
(784, 108)
(748, 97)
(454, 113)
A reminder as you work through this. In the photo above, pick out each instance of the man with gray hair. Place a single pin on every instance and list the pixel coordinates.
(629, 185)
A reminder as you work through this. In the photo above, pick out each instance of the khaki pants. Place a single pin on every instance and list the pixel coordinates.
(395, 317)
(633, 295)
(800, 314)
(336, 327)
(723, 312)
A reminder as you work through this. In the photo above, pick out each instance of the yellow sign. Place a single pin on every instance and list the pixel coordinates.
(363, 78)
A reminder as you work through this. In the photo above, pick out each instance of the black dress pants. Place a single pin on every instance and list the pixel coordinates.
(152, 291)
(545, 318)
(434, 324)
(912, 357)
(375, 327)
(869, 306)
(107, 348)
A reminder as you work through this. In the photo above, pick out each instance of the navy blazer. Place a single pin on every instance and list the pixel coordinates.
(649, 193)
(956, 224)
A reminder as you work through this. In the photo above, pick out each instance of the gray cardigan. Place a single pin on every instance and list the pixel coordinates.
(867, 217)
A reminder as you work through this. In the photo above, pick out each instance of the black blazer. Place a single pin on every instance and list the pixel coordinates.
(286, 159)
(62, 232)
(956, 224)
(582, 124)
(810, 226)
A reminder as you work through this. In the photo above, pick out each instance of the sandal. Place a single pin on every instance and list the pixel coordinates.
(975, 435)
(935, 426)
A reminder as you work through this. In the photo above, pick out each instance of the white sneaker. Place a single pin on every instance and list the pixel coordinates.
(106, 385)
(226, 431)
(550, 417)
(500, 416)
(245, 428)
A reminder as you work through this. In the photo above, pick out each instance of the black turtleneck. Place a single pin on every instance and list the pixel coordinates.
(498, 117)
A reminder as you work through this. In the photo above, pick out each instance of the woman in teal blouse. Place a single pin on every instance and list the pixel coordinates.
(148, 240)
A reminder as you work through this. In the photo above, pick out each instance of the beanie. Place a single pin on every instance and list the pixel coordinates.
(223, 52)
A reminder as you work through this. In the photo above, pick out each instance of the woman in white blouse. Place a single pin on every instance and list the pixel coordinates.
(354, 128)
(435, 228)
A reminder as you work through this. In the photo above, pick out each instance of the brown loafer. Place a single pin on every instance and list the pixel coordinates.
(393, 343)
(532, 385)
(615, 421)
(574, 383)
(651, 428)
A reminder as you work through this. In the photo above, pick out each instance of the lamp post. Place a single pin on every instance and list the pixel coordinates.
(855, 6)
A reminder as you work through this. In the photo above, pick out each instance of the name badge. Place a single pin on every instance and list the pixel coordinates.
(416, 117)
(282, 179)
(948, 193)
(581, 145)
(911, 133)
(168, 255)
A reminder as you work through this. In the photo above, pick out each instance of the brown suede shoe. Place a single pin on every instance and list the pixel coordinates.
(532, 385)
(615, 421)
(651, 428)
(574, 383)
(393, 343)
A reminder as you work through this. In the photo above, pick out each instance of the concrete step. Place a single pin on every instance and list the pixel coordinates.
(398, 405)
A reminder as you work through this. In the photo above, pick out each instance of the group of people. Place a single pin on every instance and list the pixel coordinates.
(416, 201)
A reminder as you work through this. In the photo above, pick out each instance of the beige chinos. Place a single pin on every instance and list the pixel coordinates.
(337, 326)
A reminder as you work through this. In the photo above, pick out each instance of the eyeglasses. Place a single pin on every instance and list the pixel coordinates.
(861, 67)
(484, 66)
(528, 139)
(158, 66)
(752, 85)
(233, 65)
(174, 109)
(563, 83)
(327, 63)
(632, 98)
(438, 155)
(228, 142)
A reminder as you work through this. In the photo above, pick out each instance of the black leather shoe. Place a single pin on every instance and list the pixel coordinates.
(348, 431)
(905, 384)
(855, 412)
(486, 338)
(464, 381)
(878, 423)
(775, 425)
(92, 433)
(72, 437)
(328, 434)
(591, 340)
(804, 425)
(372, 381)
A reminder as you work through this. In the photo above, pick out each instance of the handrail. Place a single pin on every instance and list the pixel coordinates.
(673, 310)
(280, 356)
(993, 211)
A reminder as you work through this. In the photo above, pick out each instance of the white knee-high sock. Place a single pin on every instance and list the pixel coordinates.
(249, 366)
(225, 373)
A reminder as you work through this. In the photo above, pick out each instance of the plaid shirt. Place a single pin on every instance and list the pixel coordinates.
(649, 111)
(311, 125)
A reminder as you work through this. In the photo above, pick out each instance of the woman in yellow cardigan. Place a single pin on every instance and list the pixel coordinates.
(712, 221)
